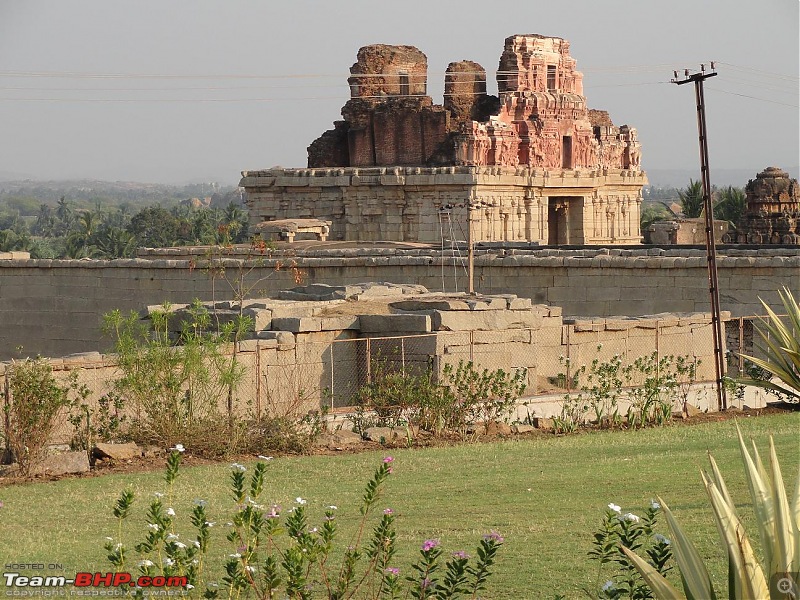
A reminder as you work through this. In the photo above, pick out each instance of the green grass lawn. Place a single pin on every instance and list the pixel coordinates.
(545, 495)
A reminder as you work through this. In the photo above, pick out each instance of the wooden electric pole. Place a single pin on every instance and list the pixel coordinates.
(711, 250)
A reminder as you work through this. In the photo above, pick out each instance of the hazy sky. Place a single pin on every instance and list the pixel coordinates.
(179, 90)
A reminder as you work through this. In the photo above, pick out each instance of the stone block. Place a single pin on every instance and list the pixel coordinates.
(430, 304)
(339, 323)
(65, 463)
(262, 318)
(297, 324)
(379, 434)
(388, 324)
(127, 451)
(484, 320)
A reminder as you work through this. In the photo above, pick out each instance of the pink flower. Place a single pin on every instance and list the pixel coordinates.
(494, 536)
(388, 459)
(460, 554)
(429, 545)
(392, 571)
(388, 511)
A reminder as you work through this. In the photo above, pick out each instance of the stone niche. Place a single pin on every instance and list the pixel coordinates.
(532, 164)
(773, 210)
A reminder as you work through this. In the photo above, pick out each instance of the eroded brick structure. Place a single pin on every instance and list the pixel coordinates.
(773, 210)
(540, 165)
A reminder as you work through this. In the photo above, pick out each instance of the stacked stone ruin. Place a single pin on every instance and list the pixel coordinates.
(533, 163)
(773, 210)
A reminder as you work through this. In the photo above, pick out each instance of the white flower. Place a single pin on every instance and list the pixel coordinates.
(262, 457)
(199, 502)
(118, 546)
(210, 523)
(300, 500)
(180, 545)
(110, 539)
(332, 507)
(158, 494)
(170, 512)
(168, 561)
(189, 586)
(145, 563)
(614, 507)
(153, 526)
(238, 467)
(661, 539)
(250, 568)
(235, 555)
(314, 530)
(196, 544)
(630, 517)
(172, 537)
(654, 505)
(608, 586)
(178, 448)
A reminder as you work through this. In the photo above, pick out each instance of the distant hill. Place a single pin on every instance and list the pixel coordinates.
(678, 178)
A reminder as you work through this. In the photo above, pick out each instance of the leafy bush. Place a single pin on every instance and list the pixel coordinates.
(462, 397)
(37, 402)
(277, 553)
(172, 386)
(651, 387)
(620, 530)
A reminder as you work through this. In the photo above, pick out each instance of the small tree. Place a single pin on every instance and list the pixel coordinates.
(731, 205)
(692, 199)
(37, 403)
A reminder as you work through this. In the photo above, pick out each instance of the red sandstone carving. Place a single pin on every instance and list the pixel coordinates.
(539, 120)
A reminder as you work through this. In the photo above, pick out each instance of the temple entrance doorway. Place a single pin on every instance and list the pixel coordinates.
(565, 221)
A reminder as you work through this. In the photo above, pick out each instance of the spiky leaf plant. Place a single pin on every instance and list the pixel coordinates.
(778, 527)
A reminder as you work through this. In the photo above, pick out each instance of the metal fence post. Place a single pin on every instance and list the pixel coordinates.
(332, 379)
(569, 378)
(403, 353)
(741, 346)
(258, 382)
(369, 360)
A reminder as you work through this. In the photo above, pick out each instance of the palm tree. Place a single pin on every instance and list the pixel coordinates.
(732, 204)
(692, 199)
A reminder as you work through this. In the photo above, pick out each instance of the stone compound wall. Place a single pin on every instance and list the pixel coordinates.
(54, 308)
(309, 354)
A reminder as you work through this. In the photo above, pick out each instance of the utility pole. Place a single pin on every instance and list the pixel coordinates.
(711, 250)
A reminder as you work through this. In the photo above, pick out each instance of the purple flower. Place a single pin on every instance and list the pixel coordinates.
(388, 511)
(392, 571)
(460, 554)
(429, 545)
(425, 583)
(494, 536)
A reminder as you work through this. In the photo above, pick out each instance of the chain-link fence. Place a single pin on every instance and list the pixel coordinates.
(298, 373)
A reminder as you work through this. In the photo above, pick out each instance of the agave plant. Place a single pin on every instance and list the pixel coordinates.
(781, 348)
(778, 528)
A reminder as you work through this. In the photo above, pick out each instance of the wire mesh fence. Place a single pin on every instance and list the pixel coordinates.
(313, 372)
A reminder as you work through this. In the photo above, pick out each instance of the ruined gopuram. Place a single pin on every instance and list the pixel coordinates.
(772, 215)
(532, 164)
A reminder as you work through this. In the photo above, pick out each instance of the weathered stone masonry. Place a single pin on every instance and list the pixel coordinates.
(55, 307)
(535, 163)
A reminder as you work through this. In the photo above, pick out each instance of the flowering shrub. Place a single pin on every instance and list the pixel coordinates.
(276, 552)
(620, 530)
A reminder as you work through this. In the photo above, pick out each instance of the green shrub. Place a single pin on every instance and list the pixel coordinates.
(37, 403)
(173, 388)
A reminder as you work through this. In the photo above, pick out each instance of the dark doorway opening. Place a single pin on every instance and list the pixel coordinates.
(566, 152)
